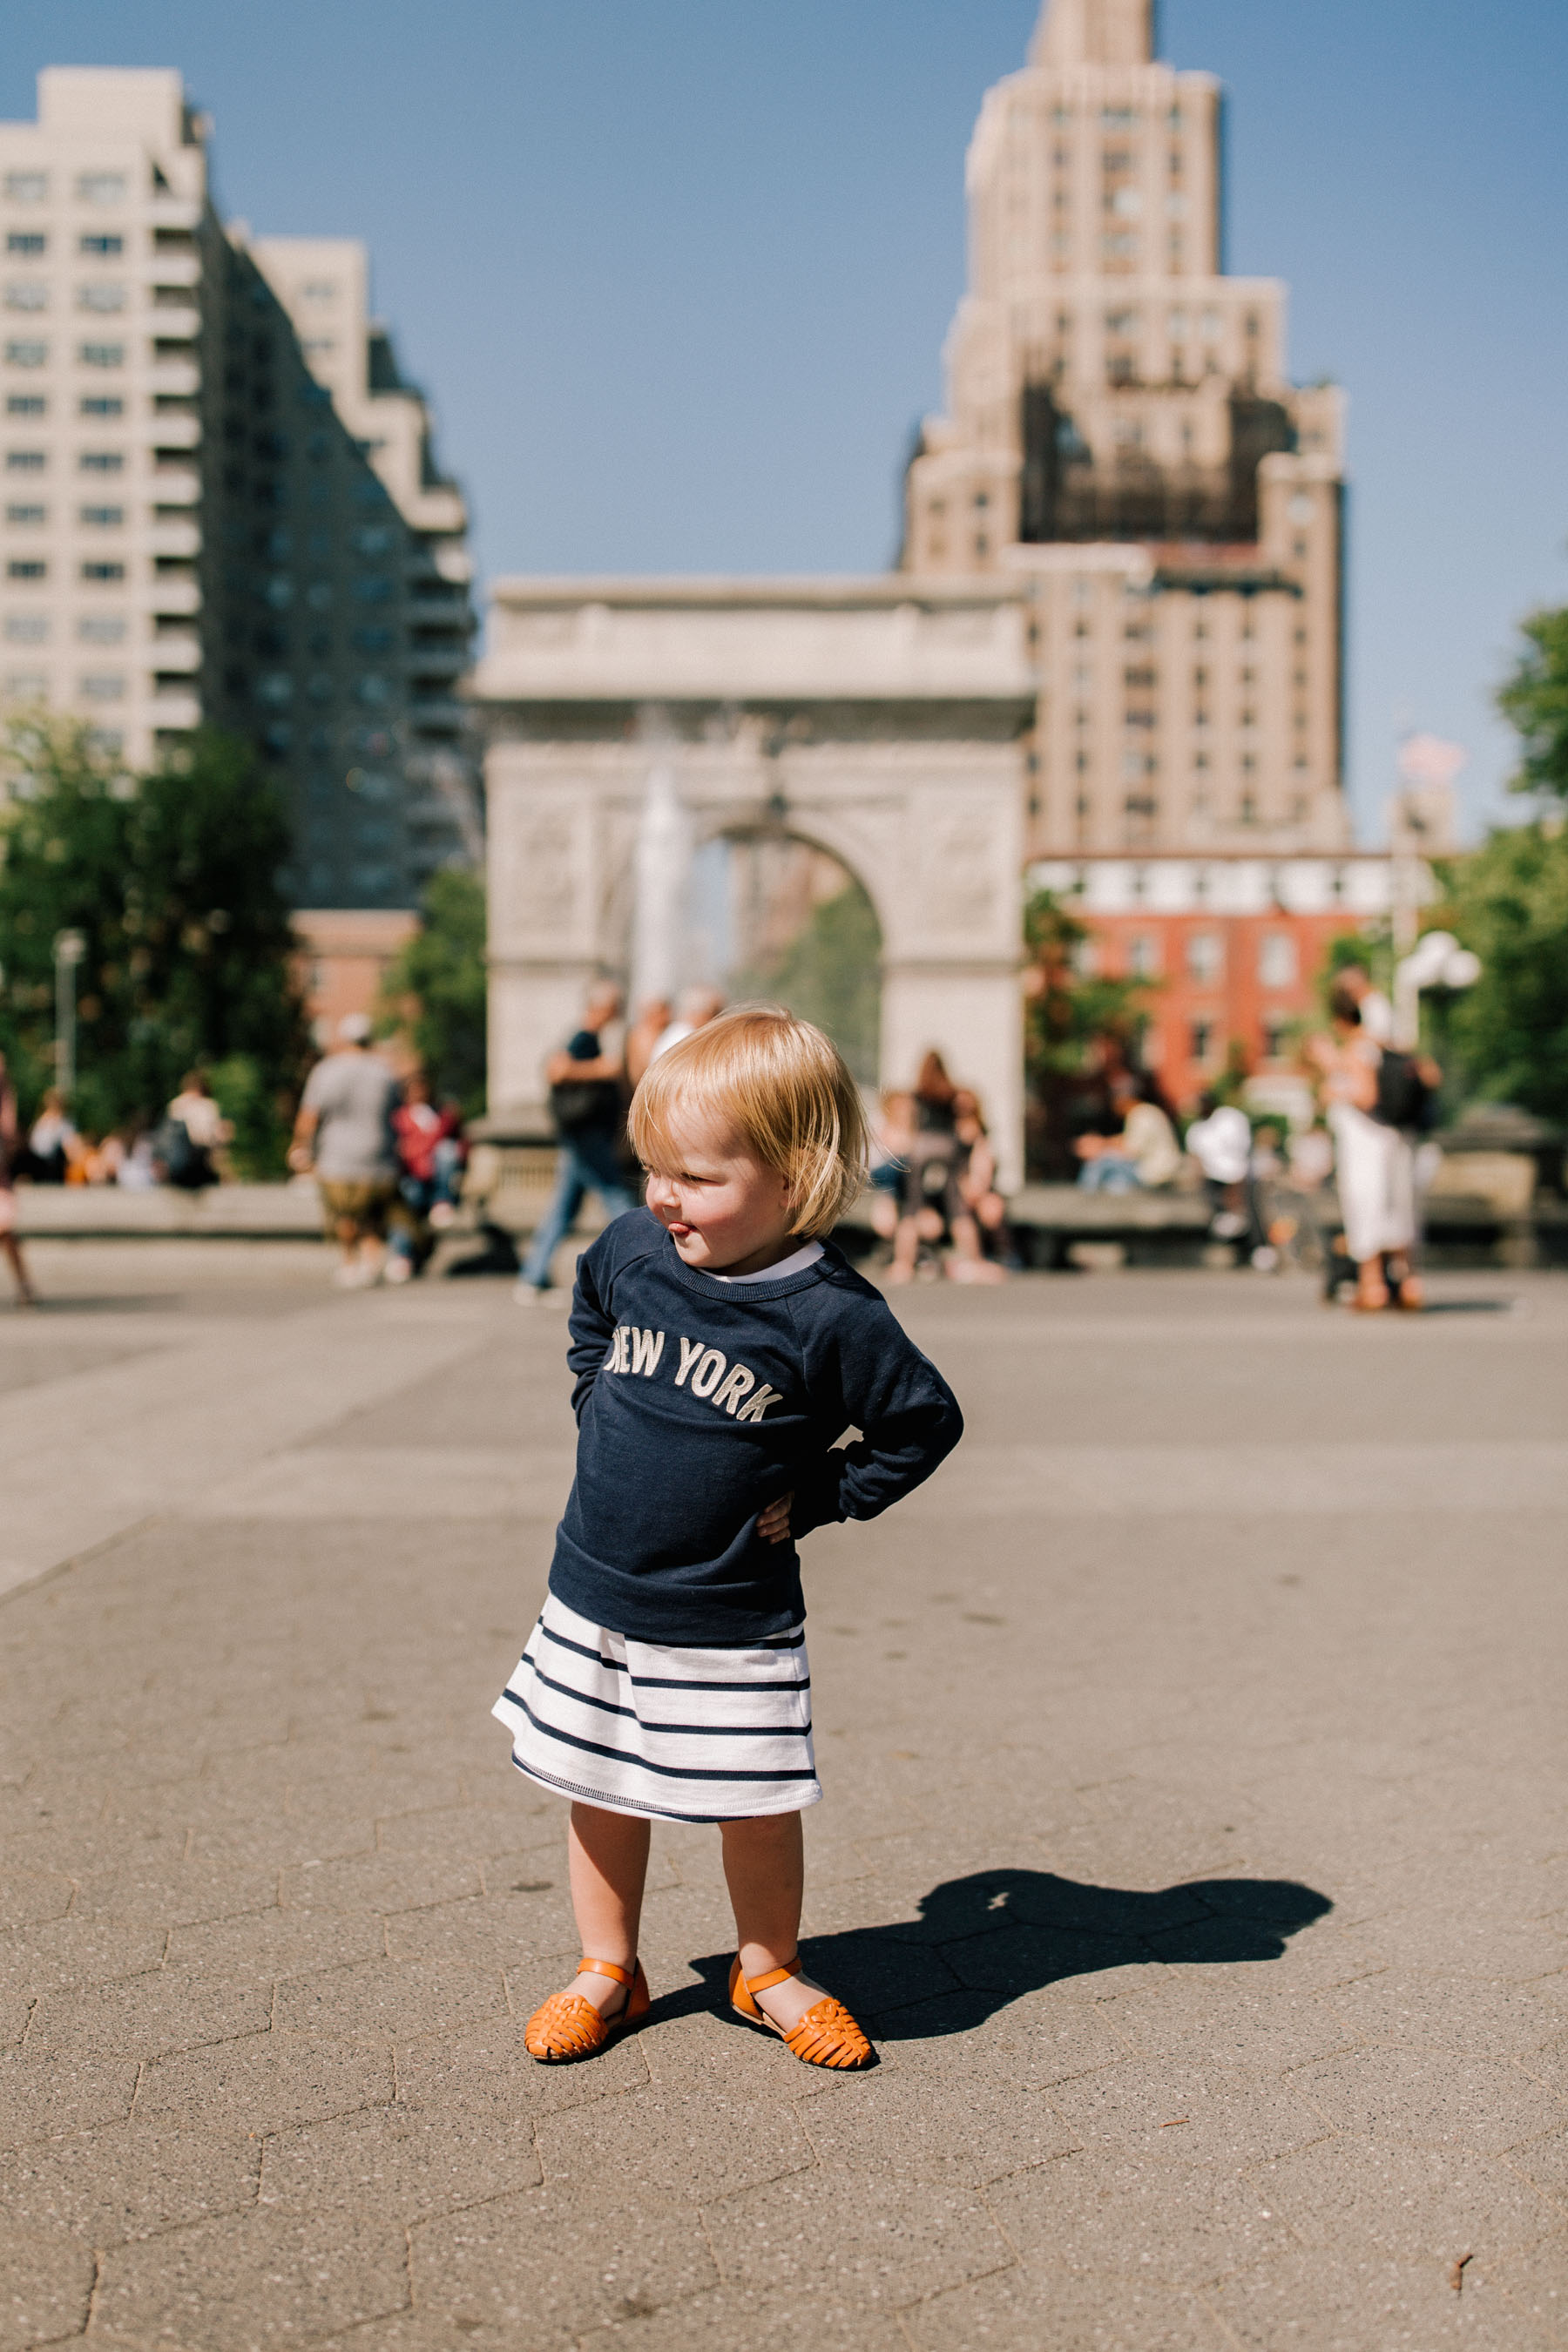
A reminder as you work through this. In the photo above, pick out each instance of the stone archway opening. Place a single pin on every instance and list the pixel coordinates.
(775, 917)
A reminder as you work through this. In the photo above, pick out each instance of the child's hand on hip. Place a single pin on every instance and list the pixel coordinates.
(773, 1525)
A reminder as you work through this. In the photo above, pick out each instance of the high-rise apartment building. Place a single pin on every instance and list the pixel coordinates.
(221, 501)
(1123, 434)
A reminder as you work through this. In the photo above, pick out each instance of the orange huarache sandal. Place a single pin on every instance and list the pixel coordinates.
(566, 2027)
(827, 2035)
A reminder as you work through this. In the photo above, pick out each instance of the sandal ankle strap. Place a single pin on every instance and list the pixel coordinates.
(586, 1967)
(772, 1976)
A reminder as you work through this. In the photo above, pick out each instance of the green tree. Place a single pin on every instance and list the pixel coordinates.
(435, 988)
(171, 880)
(1534, 699)
(831, 973)
(1508, 1033)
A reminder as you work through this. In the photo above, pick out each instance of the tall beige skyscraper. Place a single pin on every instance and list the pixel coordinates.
(1123, 434)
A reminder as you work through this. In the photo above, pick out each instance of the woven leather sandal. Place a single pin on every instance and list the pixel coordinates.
(566, 2027)
(827, 2035)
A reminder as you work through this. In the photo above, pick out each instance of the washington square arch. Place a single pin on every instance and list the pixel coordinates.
(872, 720)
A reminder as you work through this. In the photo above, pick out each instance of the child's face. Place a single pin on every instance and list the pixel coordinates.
(725, 1212)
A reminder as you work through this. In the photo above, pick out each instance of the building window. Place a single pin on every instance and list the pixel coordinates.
(1201, 1041)
(1276, 1037)
(101, 629)
(27, 629)
(101, 298)
(26, 355)
(1205, 956)
(101, 461)
(24, 461)
(27, 294)
(1277, 963)
(103, 517)
(26, 569)
(102, 187)
(27, 187)
(26, 404)
(1142, 956)
(101, 247)
(26, 686)
(27, 243)
(103, 689)
(27, 514)
(104, 355)
(98, 404)
(101, 572)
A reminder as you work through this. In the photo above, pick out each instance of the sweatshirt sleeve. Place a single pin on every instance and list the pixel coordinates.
(591, 1324)
(908, 1417)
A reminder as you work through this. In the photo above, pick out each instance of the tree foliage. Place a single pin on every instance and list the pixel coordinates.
(830, 973)
(1073, 1017)
(436, 988)
(1534, 699)
(188, 948)
(1508, 1033)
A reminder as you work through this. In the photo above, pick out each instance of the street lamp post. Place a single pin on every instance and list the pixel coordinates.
(1437, 961)
(70, 949)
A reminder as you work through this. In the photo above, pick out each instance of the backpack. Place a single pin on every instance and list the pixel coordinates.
(1404, 1097)
(579, 1106)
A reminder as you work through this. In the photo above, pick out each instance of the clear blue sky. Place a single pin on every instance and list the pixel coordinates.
(677, 274)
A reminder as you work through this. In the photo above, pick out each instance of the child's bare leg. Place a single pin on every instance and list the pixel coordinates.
(607, 1862)
(764, 1868)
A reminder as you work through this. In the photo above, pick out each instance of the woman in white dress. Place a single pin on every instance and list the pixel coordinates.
(1375, 1165)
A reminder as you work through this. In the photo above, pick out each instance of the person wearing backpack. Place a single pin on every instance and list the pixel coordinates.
(588, 1103)
(1376, 1097)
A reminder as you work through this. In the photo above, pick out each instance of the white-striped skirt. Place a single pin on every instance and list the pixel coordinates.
(685, 1735)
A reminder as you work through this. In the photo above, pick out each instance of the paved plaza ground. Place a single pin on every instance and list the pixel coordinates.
(1195, 1843)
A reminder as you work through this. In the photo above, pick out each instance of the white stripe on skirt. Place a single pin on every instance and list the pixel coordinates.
(689, 1735)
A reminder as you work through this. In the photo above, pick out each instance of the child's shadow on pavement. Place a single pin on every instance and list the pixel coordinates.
(980, 1942)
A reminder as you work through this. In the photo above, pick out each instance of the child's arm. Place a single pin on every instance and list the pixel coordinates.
(909, 1419)
(592, 1327)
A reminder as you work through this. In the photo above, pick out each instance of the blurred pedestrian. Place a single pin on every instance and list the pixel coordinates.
(1374, 1161)
(977, 1215)
(588, 1102)
(653, 1018)
(1143, 1154)
(344, 1133)
(194, 1132)
(892, 1140)
(429, 1157)
(10, 1153)
(698, 1006)
(1377, 1013)
(54, 1147)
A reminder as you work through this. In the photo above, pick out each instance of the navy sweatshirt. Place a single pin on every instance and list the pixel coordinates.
(698, 1403)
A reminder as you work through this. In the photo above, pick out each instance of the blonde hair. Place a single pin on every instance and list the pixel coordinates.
(781, 1089)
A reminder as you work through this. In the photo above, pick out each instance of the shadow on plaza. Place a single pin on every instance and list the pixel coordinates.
(982, 1941)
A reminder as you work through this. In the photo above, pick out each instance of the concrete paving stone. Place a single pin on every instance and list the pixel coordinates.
(888, 2241)
(63, 1954)
(261, 1947)
(512, 2263)
(61, 2091)
(1207, 2113)
(473, 1832)
(1413, 2203)
(422, 2331)
(1029, 2309)
(1430, 2098)
(933, 2130)
(1238, 2022)
(404, 2163)
(1325, 1955)
(1151, 2217)
(127, 2181)
(147, 2016)
(493, 1931)
(1545, 2162)
(46, 2282)
(1417, 2010)
(27, 1897)
(381, 1882)
(174, 1893)
(728, 2318)
(485, 2074)
(15, 2013)
(690, 2144)
(282, 1844)
(1465, 1942)
(246, 2283)
(381, 2000)
(1352, 2301)
(1534, 2286)
(1012, 1959)
(267, 2083)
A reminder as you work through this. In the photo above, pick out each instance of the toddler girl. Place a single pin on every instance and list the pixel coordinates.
(720, 1347)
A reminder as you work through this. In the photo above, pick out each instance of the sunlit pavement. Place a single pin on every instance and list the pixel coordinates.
(1194, 1845)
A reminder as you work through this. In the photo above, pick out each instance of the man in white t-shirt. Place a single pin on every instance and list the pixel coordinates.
(344, 1133)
